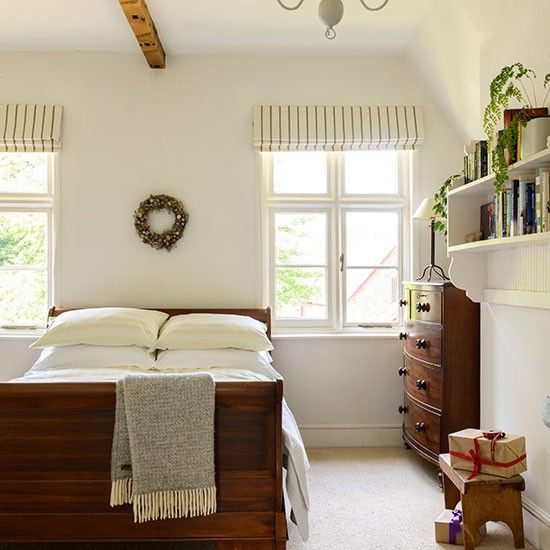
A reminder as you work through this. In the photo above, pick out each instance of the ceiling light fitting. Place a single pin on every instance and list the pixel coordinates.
(331, 12)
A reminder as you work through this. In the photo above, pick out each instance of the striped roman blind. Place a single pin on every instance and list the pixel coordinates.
(27, 128)
(336, 128)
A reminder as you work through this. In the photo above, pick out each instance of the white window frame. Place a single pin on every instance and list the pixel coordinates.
(38, 202)
(335, 203)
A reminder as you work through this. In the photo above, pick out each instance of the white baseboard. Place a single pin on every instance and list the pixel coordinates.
(536, 524)
(351, 435)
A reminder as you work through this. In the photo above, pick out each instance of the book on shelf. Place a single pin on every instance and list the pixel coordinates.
(487, 226)
(522, 208)
(514, 215)
(477, 161)
(507, 212)
(542, 186)
(530, 222)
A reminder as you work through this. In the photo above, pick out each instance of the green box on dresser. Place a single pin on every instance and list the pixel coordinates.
(440, 368)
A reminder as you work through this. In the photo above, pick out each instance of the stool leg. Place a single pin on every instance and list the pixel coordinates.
(451, 493)
(473, 518)
(515, 520)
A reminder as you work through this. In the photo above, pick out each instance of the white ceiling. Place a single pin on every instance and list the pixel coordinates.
(208, 27)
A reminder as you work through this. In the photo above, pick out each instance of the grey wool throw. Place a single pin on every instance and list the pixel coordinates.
(162, 459)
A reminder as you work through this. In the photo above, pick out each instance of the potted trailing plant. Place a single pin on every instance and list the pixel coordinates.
(440, 203)
(510, 84)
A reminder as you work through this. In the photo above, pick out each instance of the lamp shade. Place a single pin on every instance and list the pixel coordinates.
(425, 211)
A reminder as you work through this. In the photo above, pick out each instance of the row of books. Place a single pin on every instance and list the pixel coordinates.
(477, 161)
(523, 208)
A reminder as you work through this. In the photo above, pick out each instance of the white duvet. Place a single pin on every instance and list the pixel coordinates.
(297, 463)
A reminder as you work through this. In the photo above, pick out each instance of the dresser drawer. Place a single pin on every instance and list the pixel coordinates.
(423, 342)
(422, 426)
(424, 304)
(424, 382)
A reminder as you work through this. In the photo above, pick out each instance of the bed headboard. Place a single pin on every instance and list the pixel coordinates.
(262, 315)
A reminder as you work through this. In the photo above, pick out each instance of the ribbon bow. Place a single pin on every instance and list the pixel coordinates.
(454, 526)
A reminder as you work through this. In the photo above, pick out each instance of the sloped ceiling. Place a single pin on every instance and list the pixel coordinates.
(460, 45)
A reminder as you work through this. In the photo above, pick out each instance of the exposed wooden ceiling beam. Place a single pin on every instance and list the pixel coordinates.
(143, 26)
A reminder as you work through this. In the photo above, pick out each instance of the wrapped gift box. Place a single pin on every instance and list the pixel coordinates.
(449, 528)
(488, 452)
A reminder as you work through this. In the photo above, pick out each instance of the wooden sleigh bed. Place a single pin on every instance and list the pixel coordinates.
(55, 451)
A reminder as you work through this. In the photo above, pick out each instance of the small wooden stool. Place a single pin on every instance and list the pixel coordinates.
(484, 498)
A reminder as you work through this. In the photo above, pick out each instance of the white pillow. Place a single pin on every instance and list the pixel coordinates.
(209, 358)
(82, 356)
(213, 331)
(106, 326)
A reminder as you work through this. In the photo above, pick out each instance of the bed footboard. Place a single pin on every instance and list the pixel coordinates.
(55, 450)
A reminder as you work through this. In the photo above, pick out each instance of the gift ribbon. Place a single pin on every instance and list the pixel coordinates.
(454, 526)
(493, 437)
(474, 454)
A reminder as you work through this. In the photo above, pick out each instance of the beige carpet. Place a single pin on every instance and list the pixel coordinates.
(377, 499)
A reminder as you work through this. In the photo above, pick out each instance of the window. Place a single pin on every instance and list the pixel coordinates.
(333, 237)
(26, 223)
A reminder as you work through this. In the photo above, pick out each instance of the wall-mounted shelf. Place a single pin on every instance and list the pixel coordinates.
(499, 244)
(518, 260)
(485, 185)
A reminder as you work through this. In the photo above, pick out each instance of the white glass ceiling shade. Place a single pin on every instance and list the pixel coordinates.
(331, 13)
(425, 210)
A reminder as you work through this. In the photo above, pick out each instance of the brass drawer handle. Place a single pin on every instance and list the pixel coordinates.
(420, 427)
(421, 343)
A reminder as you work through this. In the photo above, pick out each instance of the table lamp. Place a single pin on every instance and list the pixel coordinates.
(426, 212)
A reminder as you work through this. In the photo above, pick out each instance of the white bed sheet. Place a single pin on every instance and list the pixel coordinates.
(296, 483)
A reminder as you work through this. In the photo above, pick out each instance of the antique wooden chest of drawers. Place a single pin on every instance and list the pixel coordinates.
(440, 368)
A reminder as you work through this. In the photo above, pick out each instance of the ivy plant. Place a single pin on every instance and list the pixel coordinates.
(507, 141)
(507, 85)
(440, 203)
(511, 83)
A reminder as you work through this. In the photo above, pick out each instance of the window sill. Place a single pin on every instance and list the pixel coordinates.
(7, 334)
(342, 335)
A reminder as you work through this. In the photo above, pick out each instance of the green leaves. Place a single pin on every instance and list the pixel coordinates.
(440, 204)
(507, 141)
(503, 88)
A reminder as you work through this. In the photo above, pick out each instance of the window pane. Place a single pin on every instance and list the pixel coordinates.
(23, 296)
(372, 238)
(300, 173)
(371, 296)
(300, 238)
(300, 293)
(371, 172)
(23, 172)
(23, 239)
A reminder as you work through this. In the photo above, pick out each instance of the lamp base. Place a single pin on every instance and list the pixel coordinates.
(432, 269)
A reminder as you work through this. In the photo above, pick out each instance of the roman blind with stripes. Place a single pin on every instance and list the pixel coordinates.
(336, 128)
(29, 128)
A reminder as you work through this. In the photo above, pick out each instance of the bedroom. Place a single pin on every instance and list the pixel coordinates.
(128, 131)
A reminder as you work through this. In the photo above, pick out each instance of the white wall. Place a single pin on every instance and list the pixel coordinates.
(515, 369)
(129, 131)
(445, 51)
(515, 380)
(458, 46)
